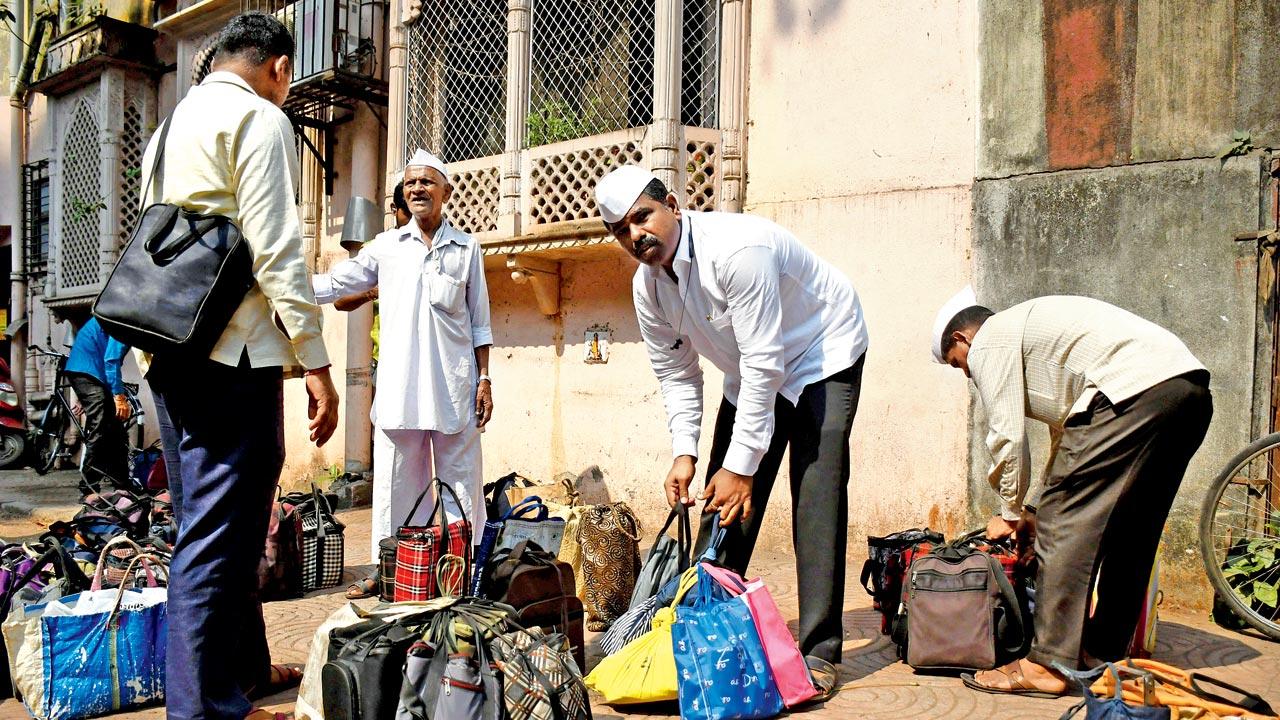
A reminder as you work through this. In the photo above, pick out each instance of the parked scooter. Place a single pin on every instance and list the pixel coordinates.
(13, 421)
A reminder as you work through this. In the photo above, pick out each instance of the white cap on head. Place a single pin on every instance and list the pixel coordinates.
(618, 191)
(422, 158)
(960, 301)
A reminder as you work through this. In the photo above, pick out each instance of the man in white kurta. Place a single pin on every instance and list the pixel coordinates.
(433, 385)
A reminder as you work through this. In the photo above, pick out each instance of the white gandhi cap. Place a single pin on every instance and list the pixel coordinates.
(961, 300)
(422, 158)
(618, 191)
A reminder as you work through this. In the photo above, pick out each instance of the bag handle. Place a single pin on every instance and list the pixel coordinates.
(113, 620)
(519, 512)
(413, 510)
(1250, 701)
(102, 557)
(439, 510)
(718, 534)
(163, 254)
(63, 565)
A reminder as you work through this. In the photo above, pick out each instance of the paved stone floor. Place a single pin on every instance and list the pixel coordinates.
(875, 685)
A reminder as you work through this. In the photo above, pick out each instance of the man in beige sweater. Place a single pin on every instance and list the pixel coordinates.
(1127, 405)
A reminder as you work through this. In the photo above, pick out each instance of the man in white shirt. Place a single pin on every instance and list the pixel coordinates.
(434, 392)
(1127, 405)
(230, 151)
(787, 330)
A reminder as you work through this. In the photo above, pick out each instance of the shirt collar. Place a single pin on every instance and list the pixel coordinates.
(445, 234)
(224, 76)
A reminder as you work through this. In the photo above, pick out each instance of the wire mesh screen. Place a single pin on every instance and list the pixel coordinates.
(329, 35)
(591, 68)
(700, 63)
(456, 78)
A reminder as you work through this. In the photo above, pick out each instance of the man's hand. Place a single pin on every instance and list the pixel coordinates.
(322, 405)
(1026, 542)
(123, 409)
(484, 403)
(730, 494)
(677, 484)
(999, 528)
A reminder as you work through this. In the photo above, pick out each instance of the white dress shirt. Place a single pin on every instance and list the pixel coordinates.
(772, 315)
(1046, 359)
(230, 152)
(433, 305)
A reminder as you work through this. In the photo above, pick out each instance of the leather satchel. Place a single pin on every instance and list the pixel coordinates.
(542, 591)
(179, 280)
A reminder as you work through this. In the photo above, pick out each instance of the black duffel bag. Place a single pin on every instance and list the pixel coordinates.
(179, 280)
(362, 678)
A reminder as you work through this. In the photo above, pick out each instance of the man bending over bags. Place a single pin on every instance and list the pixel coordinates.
(1127, 405)
(786, 328)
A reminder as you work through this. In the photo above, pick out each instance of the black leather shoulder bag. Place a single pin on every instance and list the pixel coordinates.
(179, 280)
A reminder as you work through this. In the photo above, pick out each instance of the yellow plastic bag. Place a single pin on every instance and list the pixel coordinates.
(644, 670)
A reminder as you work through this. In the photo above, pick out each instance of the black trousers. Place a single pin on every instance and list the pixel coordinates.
(817, 430)
(106, 449)
(1104, 505)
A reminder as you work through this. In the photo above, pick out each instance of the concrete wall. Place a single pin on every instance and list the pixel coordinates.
(862, 120)
(1146, 92)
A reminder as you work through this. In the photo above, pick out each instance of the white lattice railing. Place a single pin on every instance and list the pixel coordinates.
(702, 168)
(473, 208)
(558, 180)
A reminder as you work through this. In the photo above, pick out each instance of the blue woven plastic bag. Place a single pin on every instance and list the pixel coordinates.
(721, 667)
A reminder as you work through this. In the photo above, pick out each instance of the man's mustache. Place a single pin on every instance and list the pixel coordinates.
(644, 244)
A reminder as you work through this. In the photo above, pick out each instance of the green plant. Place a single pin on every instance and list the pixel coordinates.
(1247, 566)
(132, 173)
(1241, 144)
(556, 120)
(81, 209)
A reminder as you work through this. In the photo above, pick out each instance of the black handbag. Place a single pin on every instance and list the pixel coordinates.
(179, 280)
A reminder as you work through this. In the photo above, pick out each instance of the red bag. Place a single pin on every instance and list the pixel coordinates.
(420, 574)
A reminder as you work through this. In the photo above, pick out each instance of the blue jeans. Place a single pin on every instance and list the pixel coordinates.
(222, 429)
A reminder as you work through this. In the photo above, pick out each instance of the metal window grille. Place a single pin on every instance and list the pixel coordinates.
(35, 213)
(591, 68)
(330, 36)
(700, 64)
(82, 200)
(456, 77)
(132, 145)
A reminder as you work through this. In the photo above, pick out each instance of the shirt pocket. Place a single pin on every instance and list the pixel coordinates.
(447, 293)
(721, 321)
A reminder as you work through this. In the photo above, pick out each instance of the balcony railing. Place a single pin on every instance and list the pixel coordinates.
(339, 54)
(76, 58)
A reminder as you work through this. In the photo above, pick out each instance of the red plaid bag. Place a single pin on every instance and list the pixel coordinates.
(420, 572)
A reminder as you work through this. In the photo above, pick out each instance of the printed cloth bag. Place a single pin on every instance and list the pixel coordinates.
(433, 560)
(323, 546)
(785, 660)
(93, 653)
(514, 526)
(644, 670)
(609, 540)
(722, 672)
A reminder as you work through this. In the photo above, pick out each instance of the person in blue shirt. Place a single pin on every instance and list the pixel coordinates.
(94, 373)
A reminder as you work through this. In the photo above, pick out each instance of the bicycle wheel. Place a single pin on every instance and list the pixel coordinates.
(49, 436)
(1240, 535)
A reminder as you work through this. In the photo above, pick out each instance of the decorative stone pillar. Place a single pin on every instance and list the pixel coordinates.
(665, 134)
(733, 111)
(397, 55)
(110, 127)
(519, 20)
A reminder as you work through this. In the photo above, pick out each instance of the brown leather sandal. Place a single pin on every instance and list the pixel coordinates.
(365, 588)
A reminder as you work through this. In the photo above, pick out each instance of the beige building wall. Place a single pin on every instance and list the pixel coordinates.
(861, 141)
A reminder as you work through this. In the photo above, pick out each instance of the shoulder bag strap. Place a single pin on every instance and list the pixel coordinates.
(157, 163)
(1017, 626)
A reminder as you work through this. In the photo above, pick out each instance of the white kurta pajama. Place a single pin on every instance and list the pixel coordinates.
(434, 313)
